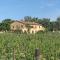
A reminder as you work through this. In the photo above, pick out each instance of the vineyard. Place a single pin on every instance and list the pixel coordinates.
(22, 46)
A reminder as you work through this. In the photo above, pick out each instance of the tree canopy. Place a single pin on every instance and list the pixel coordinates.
(5, 25)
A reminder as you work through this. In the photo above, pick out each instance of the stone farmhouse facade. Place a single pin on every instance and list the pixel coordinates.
(32, 27)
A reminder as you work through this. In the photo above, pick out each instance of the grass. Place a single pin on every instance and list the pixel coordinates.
(25, 45)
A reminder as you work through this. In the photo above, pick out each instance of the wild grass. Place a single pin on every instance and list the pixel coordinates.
(25, 45)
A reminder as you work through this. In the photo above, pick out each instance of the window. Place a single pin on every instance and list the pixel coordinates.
(21, 26)
(32, 31)
(12, 26)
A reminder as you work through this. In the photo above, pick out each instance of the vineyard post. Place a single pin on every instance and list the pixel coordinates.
(37, 54)
(14, 54)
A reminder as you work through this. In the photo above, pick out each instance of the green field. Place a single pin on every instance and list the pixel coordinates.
(22, 46)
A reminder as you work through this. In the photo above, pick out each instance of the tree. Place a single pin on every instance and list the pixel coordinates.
(30, 19)
(27, 18)
(58, 23)
(5, 25)
(54, 26)
(34, 19)
(7, 21)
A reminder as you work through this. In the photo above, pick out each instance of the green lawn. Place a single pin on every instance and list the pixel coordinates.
(23, 46)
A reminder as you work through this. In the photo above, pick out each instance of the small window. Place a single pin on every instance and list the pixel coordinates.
(21, 26)
(13, 27)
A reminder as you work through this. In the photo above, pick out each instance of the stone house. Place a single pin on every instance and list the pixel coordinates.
(32, 27)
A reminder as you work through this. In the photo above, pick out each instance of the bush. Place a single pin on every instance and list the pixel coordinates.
(40, 31)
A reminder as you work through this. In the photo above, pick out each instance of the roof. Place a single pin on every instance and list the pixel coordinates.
(30, 23)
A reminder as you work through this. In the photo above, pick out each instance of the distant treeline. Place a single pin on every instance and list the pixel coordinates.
(46, 22)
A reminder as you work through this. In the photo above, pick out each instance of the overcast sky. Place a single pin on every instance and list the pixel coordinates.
(17, 9)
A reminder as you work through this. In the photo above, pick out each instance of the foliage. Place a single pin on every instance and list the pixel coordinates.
(27, 18)
(24, 45)
(5, 25)
(7, 21)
